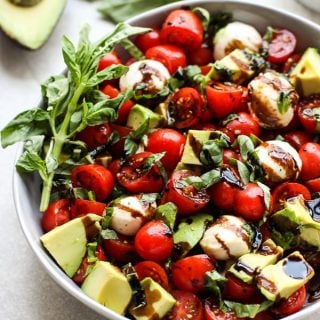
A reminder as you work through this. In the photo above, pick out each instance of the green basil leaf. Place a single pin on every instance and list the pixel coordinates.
(246, 146)
(69, 56)
(266, 194)
(152, 160)
(284, 101)
(31, 161)
(107, 217)
(130, 146)
(168, 213)
(132, 49)
(243, 172)
(108, 234)
(98, 114)
(34, 144)
(112, 72)
(91, 251)
(247, 310)
(214, 282)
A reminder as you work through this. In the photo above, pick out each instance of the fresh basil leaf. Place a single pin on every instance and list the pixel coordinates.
(51, 163)
(246, 146)
(152, 160)
(284, 101)
(107, 217)
(214, 282)
(243, 171)
(91, 251)
(109, 234)
(130, 146)
(99, 114)
(168, 213)
(225, 73)
(109, 73)
(69, 56)
(34, 143)
(247, 310)
(266, 194)
(132, 49)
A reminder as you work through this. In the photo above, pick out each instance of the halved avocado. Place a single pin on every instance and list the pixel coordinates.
(32, 25)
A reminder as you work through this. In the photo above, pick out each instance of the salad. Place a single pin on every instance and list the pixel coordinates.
(181, 180)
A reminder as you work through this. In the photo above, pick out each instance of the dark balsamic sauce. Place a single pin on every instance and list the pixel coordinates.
(295, 268)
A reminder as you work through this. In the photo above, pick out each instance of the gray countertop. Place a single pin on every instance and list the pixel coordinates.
(27, 292)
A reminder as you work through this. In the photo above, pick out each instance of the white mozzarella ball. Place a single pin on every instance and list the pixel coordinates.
(130, 213)
(279, 161)
(226, 238)
(145, 76)
(272, 100)
(236, 35)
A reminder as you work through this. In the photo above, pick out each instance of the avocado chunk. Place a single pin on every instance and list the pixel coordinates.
(250, 264)
(285, 277)
(67, 243)
(32, 25)
(139, 114)
(306, 74)
(158, 301)
(107, 285)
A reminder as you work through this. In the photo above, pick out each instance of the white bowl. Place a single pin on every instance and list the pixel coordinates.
(26, 189)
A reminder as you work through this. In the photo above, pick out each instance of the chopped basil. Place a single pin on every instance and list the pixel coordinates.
(284, 101)
(91, 250)
(167, 212)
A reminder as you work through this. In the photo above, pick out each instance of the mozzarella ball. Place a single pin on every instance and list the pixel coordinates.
(130, 213)
(145, 76)
(226, 238)
(279, 161)
(272, 100)
(236, 35)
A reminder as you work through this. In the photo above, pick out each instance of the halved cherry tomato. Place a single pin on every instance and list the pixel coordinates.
(108, 60)
(93, 177)
(188, 273)
(309, 114)
(313, 185)
(200, 56)
(187, 307)
(170, 56)
(153, 270)
(148, 40)
(136, 178)
(185, 107)
(182, 28)
(297, 138)
(169, 141)
(187, 198)
(243, 123)
(282, 46)
(56, 214)
(291, 62)
(212, 311)
(81, 207)
(154, 241)
(114, 167)
(310, 155)
(285, 191)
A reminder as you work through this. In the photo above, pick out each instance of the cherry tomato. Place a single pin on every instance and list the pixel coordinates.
(291, 63)
(148, 40)
(81, 207)
(188, 273)
(114, 167)
(313, 185)
(169, 141)
(93, 177)
(297, 138)
(188, 306)
(285, 191)
(185, 107)
(117, 149)
(153, 270)
(170, 56)
(187, 198)
(249, 202)
(95, 136)
(230, 154)
(56, 214)
(206, 114)
(307, 117)
(200, 56)
(243, 123)
(154, 241)
(135, 178)
(224, 98)
(108, 60)
(282, 46)
(310, 156)
(212, 311)
(182, 28)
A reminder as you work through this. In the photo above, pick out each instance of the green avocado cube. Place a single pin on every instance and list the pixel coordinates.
(139, 114)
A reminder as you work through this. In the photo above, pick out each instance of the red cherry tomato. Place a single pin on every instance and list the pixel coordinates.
(200, 56)
(306, 108)
(154, 241)
(282, 46)
(291, 63)
(185, 107)
(249, 202)
(188, 306)
(81, 207)
(310, 156)
(188, 273)
(169, 141)
(108, 60)
(297, 138)
(212, 311)
(56, 214)
(182, 28)
(222, 195)
(93, 177)
(285, 191)
(148, 40)
(117, 149)
(243, 123)
(230, 154)
(313, 185)
(135, 178)
(224, 98)
(114, 167)
(153, 270)
(206, 114)
(170, 56)
(187, 198)
(109, 90)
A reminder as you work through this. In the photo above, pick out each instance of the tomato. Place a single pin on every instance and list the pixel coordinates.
(282, 46)
(187, 307)
(293, 304)
(95, 136)
(148, 40)
(182, 28)
(308, 113)
(224, 98)
(310, 156)
(153, 270)
(200, 56)
(169, 141)
(187, 198)
(212, 311)
(81, 207)
(170, 56)
(291, 63)
(56, 214)
(185, 107)
(243, 123)
(108, 60)
(117, 149)
(188, 273)
(313, 185)
(114, 167)
(285, 191)
(93, 177)
(297, 138)
(206, 114)
(249, 202)
(135, 178)
(230, 154)
(154, 241)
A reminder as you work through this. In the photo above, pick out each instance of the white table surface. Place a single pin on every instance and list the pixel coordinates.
(26, 291)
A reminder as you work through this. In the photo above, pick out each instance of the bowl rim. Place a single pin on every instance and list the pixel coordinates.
(45, 260)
